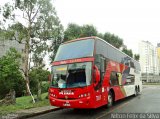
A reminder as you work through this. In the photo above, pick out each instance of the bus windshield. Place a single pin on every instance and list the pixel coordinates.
(77, 49)
(71, 75)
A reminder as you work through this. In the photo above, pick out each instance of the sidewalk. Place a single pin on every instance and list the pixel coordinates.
(22, 114)
(26, 113)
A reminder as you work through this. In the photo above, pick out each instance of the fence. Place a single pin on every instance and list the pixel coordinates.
(151, 79)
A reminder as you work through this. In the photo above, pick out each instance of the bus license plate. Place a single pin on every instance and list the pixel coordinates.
(66, 104)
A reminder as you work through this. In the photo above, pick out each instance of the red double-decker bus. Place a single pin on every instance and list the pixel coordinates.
(89, 73)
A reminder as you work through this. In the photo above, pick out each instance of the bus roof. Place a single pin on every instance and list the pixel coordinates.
(95, 37)
(84, 38)
(116, 48)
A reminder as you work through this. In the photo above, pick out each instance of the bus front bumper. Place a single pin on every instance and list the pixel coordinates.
(74, 103)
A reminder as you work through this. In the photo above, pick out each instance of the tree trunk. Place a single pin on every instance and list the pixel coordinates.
(31, 93)
(26, 62)
(26, 67)
(39, 91)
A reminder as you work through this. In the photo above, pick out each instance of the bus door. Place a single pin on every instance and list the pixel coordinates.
(100, 90)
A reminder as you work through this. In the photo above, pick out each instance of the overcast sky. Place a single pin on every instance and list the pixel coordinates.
(131, 20)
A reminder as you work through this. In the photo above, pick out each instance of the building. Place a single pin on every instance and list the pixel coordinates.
(5, 45)
(156, 62)
(149, 61)
(158, 54)
(148, 58)
(146, 49)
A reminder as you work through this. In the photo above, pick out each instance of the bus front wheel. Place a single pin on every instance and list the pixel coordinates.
(110, 100)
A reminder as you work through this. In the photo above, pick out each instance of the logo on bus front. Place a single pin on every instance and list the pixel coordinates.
(66, 92)
(66, 97)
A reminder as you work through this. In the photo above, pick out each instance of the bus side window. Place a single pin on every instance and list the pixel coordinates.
(119, 75)
(114, 78)
(132, 64)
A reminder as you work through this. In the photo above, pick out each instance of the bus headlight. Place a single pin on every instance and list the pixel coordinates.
(53, 95)
(84, 95)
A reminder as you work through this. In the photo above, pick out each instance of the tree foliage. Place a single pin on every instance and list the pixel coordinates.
(113, 40)
(42, 31)
(88, 30)
(37, 76)
(10, 76)
(74, 31)
(128, 52)
(136, 57)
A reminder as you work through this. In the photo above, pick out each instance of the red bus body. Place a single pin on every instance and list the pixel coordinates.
(89, 96)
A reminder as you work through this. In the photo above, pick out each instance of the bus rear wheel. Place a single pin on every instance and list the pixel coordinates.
(136, 92)
(110, 100)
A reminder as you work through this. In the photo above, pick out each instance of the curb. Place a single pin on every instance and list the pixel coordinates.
(38, 113)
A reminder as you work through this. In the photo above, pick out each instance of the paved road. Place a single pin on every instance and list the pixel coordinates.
(147, 102)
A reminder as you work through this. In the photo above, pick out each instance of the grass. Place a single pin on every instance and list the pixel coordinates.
(24, 103)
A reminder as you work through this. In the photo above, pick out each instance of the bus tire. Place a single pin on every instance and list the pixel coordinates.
(110, 99)
(135, 91)
(138, 90)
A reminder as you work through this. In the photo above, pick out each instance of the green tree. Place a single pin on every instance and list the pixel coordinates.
(136, 57)
(10, 75)
(88, 30)
(37, 75)
(113, 40)
(73, 31)
(100, 35)
(41, 22)
(128, 52)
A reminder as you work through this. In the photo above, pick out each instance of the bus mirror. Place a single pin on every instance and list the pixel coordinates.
(96, 75)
